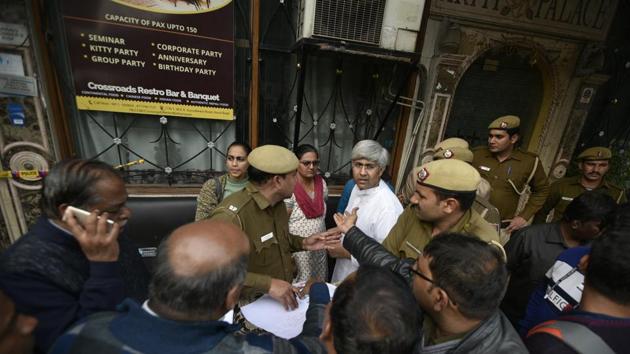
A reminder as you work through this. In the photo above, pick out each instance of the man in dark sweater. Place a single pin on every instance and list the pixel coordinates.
(601, 324)
(61, 270)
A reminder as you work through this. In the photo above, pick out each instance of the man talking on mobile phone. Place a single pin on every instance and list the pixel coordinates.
(62, 270)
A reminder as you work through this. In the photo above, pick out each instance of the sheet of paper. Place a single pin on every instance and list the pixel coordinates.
(271, 316)
(228, 317)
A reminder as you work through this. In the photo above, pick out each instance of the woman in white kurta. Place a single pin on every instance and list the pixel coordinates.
(307, 211)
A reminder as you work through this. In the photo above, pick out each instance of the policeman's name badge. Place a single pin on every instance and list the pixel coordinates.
(484, 168)
(567, 198)
(266, 237)
(423, 174)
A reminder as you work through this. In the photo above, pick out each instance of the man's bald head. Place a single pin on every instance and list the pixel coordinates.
(201, 247)
(196, 267)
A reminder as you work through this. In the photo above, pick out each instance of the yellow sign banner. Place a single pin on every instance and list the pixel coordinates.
(27, 175)
(153, 108)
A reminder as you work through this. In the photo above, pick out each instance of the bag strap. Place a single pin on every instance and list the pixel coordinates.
(529, 179)
(575, 335)
(218, 189)
(620, 195)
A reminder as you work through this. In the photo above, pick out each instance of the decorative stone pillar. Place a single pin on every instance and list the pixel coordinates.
(581, 106)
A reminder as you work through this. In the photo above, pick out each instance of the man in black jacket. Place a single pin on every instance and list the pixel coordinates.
(458, 281)
(532, 250)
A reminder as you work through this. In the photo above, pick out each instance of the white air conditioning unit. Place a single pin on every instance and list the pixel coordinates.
(389, 24)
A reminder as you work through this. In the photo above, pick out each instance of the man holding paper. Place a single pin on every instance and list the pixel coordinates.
(260, 212)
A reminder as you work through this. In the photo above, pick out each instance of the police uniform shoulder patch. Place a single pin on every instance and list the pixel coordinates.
(423, 174)
(235, 205)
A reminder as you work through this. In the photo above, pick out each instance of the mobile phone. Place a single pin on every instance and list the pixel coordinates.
(82, 216)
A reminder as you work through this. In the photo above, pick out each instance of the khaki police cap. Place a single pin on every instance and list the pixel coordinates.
(273, 159)
(455, 152)
(450, 143)
(595, 153)
(505, 123)
(449, 175)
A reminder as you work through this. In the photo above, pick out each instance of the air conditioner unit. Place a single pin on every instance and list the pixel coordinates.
(389, 24)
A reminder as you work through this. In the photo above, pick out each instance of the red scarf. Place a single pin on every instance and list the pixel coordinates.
(312, 208)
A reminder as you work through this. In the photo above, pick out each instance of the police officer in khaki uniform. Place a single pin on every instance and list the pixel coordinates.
(458, 149)
(445, 192)
(260, 212)
(594, 164)
(481, 205)
(511, 172)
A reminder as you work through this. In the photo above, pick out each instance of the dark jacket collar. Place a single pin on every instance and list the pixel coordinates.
(494, 335)
(554, 234)
(139, 329)
(44, 228)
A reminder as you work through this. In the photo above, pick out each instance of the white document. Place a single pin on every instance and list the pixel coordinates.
(11, 64)
(271, 316)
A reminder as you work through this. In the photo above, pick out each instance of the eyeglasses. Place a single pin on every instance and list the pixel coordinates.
(422, 276)
(313, 163)
(368, 166)
(431, 281)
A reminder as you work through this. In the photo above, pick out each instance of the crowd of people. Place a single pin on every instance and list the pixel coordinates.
(477, 253)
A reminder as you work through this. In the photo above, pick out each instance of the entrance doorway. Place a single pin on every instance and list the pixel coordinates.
(502, 81)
